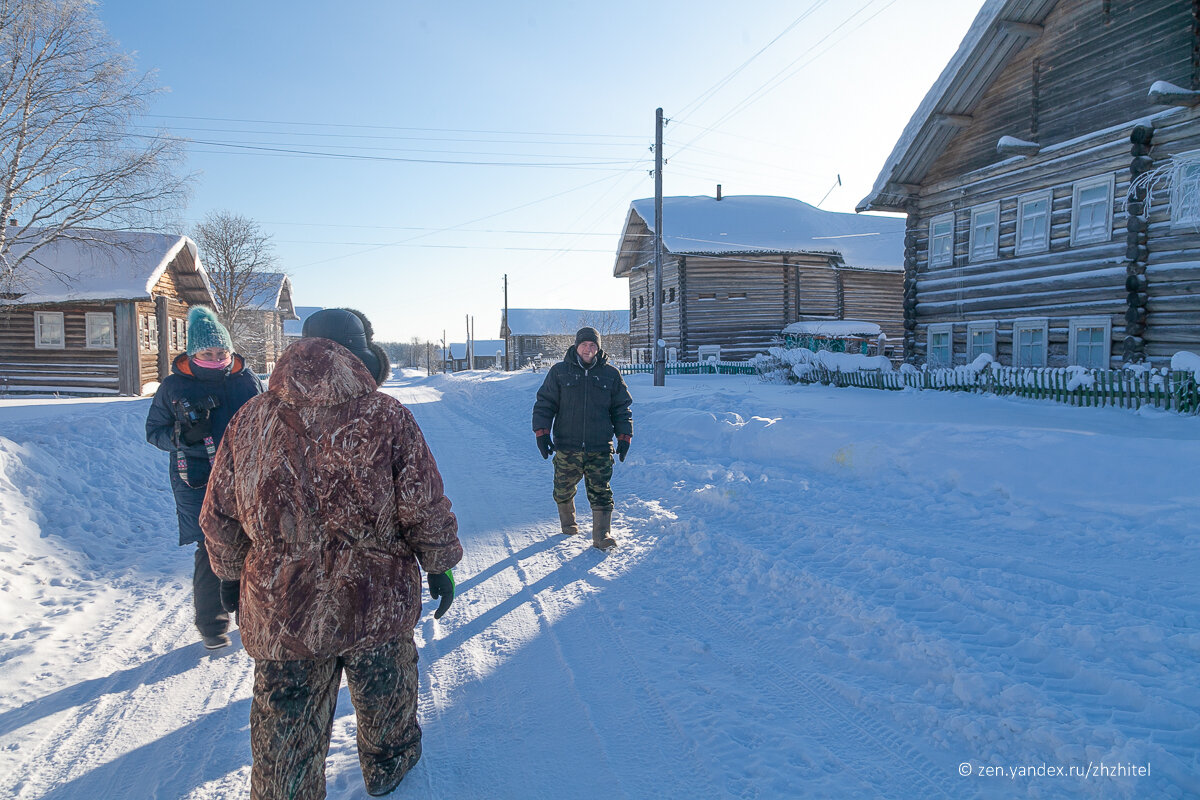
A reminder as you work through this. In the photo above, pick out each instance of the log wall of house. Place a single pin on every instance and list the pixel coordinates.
(1093, 71)
(73, 369)
(742, 302)
(1063, 282)
(1172, 264)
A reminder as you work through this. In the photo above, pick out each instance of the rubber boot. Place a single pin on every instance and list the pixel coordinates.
(601, 525)
(566, 516)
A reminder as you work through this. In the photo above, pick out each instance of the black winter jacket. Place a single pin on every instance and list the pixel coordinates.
(583, 407)
(231, 387)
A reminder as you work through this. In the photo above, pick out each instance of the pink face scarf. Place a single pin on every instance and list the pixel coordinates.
(213, 364)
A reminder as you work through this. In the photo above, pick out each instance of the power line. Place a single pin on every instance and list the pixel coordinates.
(773, 82)
(705, 96)
(390, 127)
(364, 157)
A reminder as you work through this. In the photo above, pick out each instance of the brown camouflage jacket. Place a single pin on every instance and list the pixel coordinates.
(323, 499)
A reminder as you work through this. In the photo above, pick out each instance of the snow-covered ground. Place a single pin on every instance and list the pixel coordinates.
(819, 592)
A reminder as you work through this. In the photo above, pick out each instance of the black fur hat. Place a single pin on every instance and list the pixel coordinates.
(352, 330)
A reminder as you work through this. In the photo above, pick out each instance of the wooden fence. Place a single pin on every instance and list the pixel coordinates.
(1165, 389)
(694, 368)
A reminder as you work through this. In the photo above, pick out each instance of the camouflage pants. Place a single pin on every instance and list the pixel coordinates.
(595, 469)
(291, 719)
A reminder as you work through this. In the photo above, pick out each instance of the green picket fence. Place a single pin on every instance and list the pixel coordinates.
(694, 368)
(1165, 389)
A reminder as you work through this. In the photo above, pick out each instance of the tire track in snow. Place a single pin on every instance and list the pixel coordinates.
(582, 653)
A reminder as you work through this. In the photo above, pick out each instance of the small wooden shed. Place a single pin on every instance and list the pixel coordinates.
(737, 269)
(99, 315)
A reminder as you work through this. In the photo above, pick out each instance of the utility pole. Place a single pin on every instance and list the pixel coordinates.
(467, 346)
(444, 349)
(507, 332)
(660, 352)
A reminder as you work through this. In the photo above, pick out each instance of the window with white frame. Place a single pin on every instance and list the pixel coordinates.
(1185, 191)
(985, 232)
(941, 240)
(981, 338)
(148, 332)
(1090, 342)
(940, 345)
(1029, 342)
(1091, 210)
(1033, 222)
(100, 331)
(49, 332)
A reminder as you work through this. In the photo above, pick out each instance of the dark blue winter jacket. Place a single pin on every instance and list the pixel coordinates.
(584, 406)
(230, 387)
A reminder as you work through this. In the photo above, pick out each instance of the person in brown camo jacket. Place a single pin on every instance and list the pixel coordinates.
(323, 501)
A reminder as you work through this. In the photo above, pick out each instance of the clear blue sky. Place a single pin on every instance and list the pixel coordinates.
(432, 148)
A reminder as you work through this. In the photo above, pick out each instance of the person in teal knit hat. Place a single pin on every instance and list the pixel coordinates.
(187, 418)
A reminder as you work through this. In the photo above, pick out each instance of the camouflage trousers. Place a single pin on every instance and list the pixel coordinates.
(291, 720)
(595, 469)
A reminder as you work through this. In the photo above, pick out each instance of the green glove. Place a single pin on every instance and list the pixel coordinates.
(441, 584)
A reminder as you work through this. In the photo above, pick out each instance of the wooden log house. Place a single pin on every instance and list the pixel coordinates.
(1051, 180)
(530, 333)
(98, 317)
(738, 269)
(264, 340)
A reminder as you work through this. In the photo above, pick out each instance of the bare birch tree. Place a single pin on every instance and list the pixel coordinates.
(240, 261)
(71, 162)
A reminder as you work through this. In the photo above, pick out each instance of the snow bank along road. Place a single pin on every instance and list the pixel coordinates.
(818, 593)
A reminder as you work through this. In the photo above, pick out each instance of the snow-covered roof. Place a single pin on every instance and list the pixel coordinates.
(107, 265)
(1001, 29)
(274, 293)
(551, 321)
(483, 347)
(834, 328)
(293, 327)
(758, 224)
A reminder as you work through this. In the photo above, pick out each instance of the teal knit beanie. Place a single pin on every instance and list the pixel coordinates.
(204, 330)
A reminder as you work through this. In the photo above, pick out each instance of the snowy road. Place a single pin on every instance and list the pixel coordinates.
(818, 593)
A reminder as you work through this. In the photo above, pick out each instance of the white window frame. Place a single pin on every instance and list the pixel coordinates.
(107, 318)
(1077, 238)
(707, 351)
(980, 327)
(39, 321)
(941, 259)
(1040, 324)
(981, 250)
(672, 354)
(936, 330)
(1078, 323)
(1043, 244)
(1185, 191)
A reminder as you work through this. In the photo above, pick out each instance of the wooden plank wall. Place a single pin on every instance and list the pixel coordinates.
(1094, 69)
(874, 296)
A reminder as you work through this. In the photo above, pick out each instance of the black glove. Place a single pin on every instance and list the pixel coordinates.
(229, 595)
(441, 584)
(622, 448)
(545, 446)
(195, 433)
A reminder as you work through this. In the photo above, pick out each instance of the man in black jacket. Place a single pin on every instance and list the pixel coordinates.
(584, 402)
